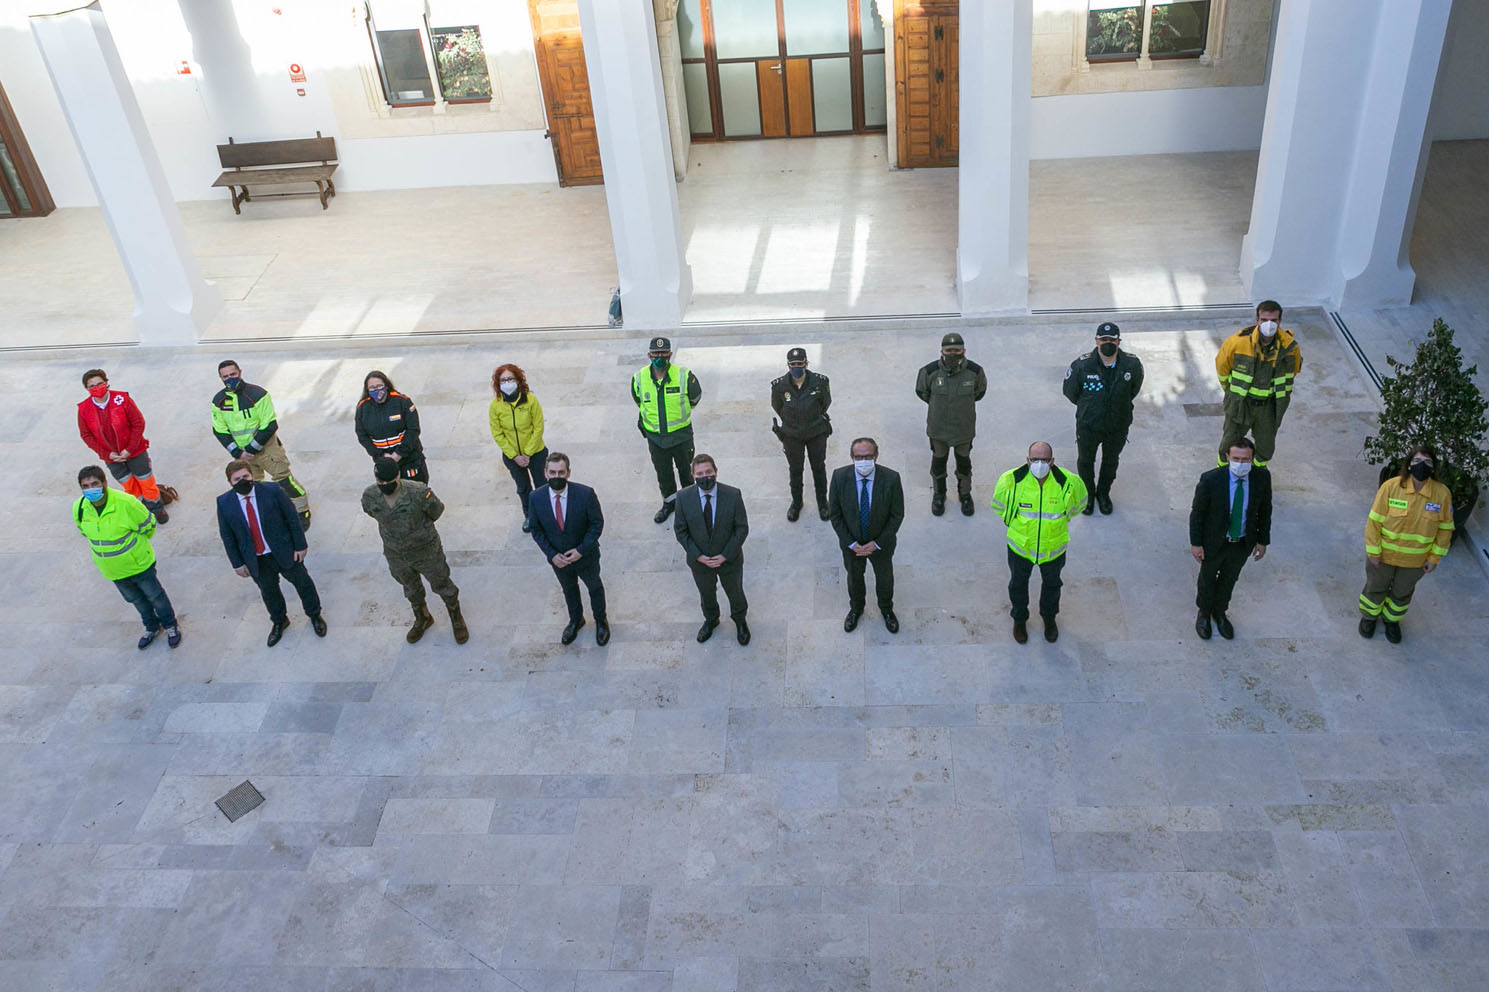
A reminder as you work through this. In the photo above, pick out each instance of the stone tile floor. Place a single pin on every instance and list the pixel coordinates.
(1127, 809)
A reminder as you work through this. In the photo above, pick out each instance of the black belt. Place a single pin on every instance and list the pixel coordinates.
(1233, 540)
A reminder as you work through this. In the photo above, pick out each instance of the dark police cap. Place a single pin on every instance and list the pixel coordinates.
(385, 468)
(953, 340)
(796, 355)
(1108, 330)
(660, 344)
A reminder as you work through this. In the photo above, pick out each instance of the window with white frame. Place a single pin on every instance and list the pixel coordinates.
(422, 62)
(1124, 31)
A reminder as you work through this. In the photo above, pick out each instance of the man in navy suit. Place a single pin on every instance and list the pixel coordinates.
(1230, 520)
(866, 504)
(566, 524)
(263, 537)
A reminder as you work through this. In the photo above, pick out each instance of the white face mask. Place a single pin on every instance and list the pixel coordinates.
(508, 386)
(1268, 328)
(1240, 469)
(864, 467)
(1040, 469)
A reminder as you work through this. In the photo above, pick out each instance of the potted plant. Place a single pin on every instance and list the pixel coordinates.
(1434, 400)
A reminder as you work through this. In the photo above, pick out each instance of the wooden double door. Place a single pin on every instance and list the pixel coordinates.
(926, 84)
(565, 80)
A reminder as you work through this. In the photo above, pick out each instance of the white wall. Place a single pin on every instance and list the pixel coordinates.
(35, 104)
(1461, 106)
(1153, 122)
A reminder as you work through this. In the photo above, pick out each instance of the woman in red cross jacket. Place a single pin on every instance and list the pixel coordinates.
(110, 424)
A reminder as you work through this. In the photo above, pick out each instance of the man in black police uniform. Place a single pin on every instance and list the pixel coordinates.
(665, 395)
(800, 399)
(1102, 385)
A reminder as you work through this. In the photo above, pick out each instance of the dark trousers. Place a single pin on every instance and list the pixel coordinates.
(940, 452)
(857, 565)
(664, 460)
(529, 478)
(1086, 445)
(814, 450)
(569, 577)
(708, 580)
(1217, 576)
(299, 576)
(142, 591)
(1020, 569)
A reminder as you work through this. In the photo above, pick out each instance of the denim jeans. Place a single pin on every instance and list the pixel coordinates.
(144, 593)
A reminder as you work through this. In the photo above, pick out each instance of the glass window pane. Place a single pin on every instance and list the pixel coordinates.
(1114, 30)
(695, 88)
(405, 72)
(744, 29)
(874, 95)
(832, 95)
(816, 26)
(690, 29)
(740, 94)
(1179, 28)
(870, 27)
(461, 60)
(12, 180)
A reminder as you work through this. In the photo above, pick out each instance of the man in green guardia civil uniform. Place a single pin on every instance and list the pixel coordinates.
(405, 511)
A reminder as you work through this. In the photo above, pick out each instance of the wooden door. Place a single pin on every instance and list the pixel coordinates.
(926, 94)
(799, 114)
(771, 80)
(23, 193)
(565, 81)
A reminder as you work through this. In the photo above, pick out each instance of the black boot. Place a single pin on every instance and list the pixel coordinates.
(423, 620)
(457, 622)
(938, 499)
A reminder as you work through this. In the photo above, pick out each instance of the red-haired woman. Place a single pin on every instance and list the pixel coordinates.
(517, 428)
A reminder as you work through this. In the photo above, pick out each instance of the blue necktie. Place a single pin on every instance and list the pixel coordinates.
(863, 511)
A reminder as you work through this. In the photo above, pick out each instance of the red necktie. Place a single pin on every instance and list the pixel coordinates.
(558, 511)
(253, 528)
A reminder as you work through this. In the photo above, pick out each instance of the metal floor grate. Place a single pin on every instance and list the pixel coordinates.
(240, 800)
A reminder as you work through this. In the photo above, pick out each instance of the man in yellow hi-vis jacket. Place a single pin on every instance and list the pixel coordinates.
(1407, 533)
(1037, 501)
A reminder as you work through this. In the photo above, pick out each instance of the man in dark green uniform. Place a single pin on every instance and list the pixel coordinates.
(801, 398)
(666, 395)
(950, 388)
(405, 512)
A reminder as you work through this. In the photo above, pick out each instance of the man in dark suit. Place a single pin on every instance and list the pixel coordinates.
(1230, 519)
(711, 527)
(566, 524)
(866, 505)
(263, 537)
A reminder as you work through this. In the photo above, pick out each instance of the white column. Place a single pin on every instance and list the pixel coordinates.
(1343, 151)
(173, 304)
(625, 87)
(992, 259)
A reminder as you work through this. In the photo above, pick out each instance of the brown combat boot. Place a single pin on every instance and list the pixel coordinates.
(457, 622)
(422, 622)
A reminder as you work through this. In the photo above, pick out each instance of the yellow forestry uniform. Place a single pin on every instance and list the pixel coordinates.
(1406, 529)
(1257, 377)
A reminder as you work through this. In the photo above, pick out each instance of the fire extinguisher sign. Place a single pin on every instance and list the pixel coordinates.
(297, 74)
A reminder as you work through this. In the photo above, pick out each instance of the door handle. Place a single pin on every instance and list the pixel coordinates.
(776, 68)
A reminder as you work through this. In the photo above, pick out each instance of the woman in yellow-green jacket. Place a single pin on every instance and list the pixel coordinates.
(517, 428)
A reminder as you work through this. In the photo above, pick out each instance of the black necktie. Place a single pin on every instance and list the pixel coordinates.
(863, 510)
(708, 513)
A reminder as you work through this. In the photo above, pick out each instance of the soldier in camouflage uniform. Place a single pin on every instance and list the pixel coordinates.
(405, 512)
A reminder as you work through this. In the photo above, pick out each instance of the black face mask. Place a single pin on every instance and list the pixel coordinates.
(1421, 471)
(388, 488)
(706, 484)
(953, 363)
(557, 485)
(243, 487)
(1108, 349)
(797, 373)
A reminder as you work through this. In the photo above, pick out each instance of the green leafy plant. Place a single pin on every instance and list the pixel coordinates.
(1434, 400)
(463, 74)
(1115, 32)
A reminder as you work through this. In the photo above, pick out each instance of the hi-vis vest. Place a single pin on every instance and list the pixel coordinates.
(119, 536)
(673, 393)
(1248, 372)
(1038, 517)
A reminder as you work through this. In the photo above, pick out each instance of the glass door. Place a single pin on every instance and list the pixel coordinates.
(782, 68)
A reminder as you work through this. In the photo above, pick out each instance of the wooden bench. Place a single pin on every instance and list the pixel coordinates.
(277, 163)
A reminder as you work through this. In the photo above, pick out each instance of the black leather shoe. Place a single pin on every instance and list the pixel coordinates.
(850, 622)
(276, 632)
(938, 504)
(1020, 632)
(147, 639)
(822, 509)
(318, 624)
(706, 631)
(1090, 506)
(793, 512)
(1051, 630)
(571, 632)
(741, 632)
(967, 508)
(1105, 502)
(1223, 625)
(527, 525)
(602, 633)
(1393, 632)
(1202, 625)
(891, 622)
(1367, 627)
(664, 512)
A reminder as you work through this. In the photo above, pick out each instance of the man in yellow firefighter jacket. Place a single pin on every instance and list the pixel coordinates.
(1257, 366)
(1407, 533)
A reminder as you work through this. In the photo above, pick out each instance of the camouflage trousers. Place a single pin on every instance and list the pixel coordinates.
(412, 566)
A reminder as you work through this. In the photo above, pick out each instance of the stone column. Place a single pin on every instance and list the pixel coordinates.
(625, 85)
(173, 303)
(669, 47)
(1343, 151)
(996, 52)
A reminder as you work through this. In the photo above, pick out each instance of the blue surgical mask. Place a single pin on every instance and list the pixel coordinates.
(378, 395)
(94, 494)
(232, 383)
(798, 373)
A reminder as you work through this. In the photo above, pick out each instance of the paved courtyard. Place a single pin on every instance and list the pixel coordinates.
(1127, 809)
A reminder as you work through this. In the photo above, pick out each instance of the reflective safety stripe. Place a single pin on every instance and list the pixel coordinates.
(1439, 550)
(1368, 608)
(1392, 610)
(1372, 549)
(391, 442)
(1401, 549)
(1403, 536)
(1033, 515)
(1036, 559)
(117, 551)
(119, 540)
(998, 504)
(1377, 517)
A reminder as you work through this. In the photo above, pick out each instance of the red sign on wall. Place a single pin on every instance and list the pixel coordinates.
(297, 74)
